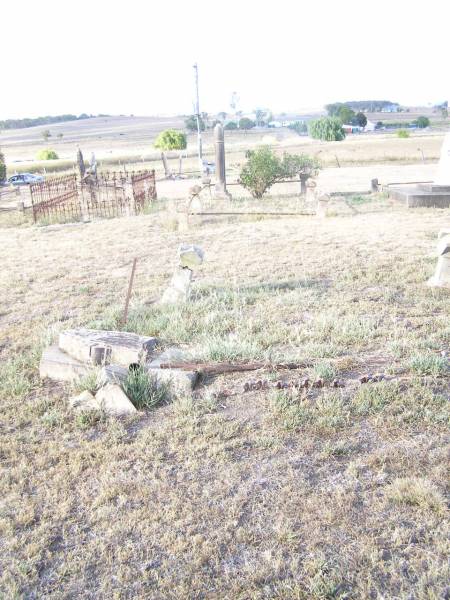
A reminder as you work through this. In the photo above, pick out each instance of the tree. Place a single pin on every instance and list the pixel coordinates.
(259, 115)
(328, 129)
(302, 165)
(46, 134)
(47, 155)
(60, 136)
(191, 123)
(2, 167)
(222, 115)
(444, 113)
(422, 122)
(231, 125)
(299, 127)
(170, 139)
(345, 114)
(360, 119)
(246, 123)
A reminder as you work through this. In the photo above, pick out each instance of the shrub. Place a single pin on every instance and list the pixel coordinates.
(328, 129)
(299, 127)
(46, 134)
(47, 155)
(231, 125)
(360, 119)
(246, 123)
(2, 167)
(402, 133)
(170, 139)
(262, 170)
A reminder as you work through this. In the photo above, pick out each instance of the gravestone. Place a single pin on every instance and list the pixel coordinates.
(441, 277)
(219, 145)
(189, 256)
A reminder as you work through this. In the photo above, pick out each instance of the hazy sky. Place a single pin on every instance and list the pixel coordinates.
(136, 56)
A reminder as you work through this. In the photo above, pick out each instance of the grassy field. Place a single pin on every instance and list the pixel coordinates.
(317, 493)
(119, 141)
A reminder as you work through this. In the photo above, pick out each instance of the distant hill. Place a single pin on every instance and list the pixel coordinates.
(49, 120)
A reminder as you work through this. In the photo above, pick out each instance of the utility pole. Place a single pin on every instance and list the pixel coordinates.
(197, 111)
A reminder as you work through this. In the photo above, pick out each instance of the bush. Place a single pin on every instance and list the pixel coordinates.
(246, 123)
(360, 119)
(2, 167)
(299, 127)
(170, 139)
(422, 122)
(47, 155)
(231, 125)
(402, 133)
(264, 168)
(328, 129)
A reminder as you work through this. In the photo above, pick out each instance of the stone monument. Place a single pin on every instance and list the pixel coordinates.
(436, 194)
(189, 256)
(219, 144)
(441, 277)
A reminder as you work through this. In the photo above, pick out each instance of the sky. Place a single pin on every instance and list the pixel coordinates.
(136, 57)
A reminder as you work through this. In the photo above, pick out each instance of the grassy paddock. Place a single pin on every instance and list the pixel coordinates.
(309, 494)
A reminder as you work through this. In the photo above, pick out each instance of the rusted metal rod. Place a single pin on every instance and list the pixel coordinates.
(127, 299)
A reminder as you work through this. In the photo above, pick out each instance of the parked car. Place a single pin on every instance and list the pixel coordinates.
(24, 179)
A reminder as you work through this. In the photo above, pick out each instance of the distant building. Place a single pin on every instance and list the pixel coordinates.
(370, 126)
(391, 108)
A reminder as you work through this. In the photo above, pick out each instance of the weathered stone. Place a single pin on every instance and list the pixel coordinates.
(322, 205)
(84, 401)
(190, 256)
(113, 400)
(441, 277)
(171, 355)
(111, 374)
(56, 364)
(179, 287)
(105, 347)
(181, 383)
(221, 181)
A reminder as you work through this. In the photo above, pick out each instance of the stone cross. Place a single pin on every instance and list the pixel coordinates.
(219, 144)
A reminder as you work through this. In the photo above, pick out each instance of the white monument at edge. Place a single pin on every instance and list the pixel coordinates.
(443, 171)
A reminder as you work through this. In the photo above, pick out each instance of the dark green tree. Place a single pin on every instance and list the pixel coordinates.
(2, 167)
(246, 123)
(191, 123)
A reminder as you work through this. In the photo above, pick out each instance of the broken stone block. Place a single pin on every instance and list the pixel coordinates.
(179, 287)
(111, 374)
(190, 256)
(56, 364)
(181, 383)
(105, 347)
(84, 401)
(113, 400)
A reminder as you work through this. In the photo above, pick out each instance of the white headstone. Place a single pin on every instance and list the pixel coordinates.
(443, 172)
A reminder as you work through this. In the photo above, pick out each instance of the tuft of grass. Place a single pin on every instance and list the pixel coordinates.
(144, 390)
(324, 370)
(417, 491)
(87, 383)
(429, 364)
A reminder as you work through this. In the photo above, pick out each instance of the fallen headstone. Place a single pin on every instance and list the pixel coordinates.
(104, 347)
(84, 402)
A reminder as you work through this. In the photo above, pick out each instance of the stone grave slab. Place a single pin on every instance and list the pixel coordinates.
(104, 347)
(56, 364)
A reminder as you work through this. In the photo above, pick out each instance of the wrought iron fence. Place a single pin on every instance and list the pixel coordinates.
(107, 194)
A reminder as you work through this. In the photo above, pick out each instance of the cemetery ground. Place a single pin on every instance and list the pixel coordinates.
(312, 493)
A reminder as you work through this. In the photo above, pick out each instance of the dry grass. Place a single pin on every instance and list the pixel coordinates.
(312, 494)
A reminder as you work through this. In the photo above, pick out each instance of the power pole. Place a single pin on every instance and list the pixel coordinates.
(197, 111)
